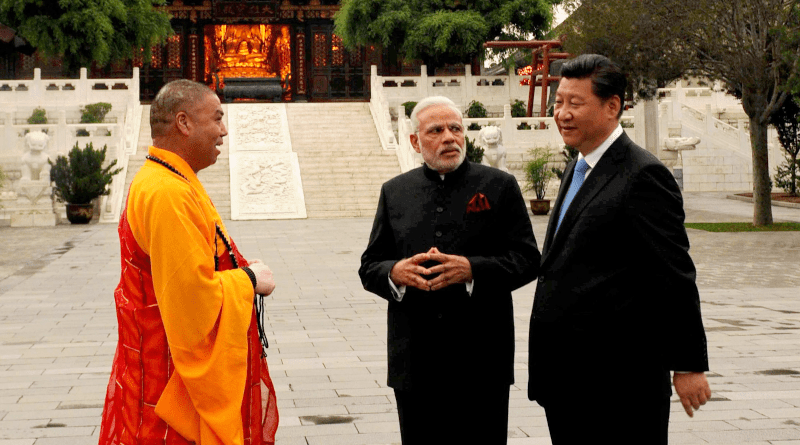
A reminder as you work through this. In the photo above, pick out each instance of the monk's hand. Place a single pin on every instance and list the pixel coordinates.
(265, 283)
(452, 269)
(693, 390)
(408, 272)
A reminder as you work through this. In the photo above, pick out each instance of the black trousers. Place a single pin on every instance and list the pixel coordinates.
(625, 422)
(464, 415)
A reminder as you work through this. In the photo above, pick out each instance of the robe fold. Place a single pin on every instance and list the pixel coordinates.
(188, 366)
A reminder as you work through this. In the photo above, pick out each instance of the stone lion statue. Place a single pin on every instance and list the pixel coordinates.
(34, 162)
(494, 154)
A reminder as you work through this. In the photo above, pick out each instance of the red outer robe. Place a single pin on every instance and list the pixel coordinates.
(143, 365)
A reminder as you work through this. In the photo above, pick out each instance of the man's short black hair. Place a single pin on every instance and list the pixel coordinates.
(608, 80)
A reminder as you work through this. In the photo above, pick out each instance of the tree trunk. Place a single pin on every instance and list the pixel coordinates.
(762, 186)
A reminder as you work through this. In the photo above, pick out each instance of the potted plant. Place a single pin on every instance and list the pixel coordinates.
(80, 178)
(93, 114)
(537, 176)
(409, 106)
(475, 109)
(568, 153)
(474, 152)
(38, 117)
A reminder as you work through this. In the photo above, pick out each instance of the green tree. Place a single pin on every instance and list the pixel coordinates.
(750, 45)
(743, 46)
(439, 32)
(84, 31)
(788, 127)
(643, 37)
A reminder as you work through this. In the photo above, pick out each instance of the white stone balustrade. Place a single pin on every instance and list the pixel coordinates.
(62, 100)
(700, 97)
(379, 108)
(723, 158)
(496, 93)
(492, 91)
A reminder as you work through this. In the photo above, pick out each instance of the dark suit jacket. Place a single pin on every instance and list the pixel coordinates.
(616, 301)
(448, 337)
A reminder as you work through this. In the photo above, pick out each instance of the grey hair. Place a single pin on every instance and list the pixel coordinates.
(427, 102)
(172, 98)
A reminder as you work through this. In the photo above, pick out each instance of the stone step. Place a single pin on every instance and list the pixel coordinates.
(350, 170)
(334, 214)
(342, 163)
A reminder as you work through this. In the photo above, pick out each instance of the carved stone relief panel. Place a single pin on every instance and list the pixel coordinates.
(265, 174)
(259, 127)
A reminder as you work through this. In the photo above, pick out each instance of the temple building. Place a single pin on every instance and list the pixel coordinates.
(290, 41)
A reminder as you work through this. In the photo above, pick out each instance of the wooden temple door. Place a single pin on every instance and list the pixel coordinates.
(167, 63)
(336, 74)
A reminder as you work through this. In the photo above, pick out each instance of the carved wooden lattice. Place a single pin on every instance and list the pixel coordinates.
(138, 58)
(174, 51)
(337, 51)
(320, 50)
(356, 58)
(28, 63)
(156, 56)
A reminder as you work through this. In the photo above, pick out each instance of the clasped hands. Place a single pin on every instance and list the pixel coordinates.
(265, 283)
(452, 269)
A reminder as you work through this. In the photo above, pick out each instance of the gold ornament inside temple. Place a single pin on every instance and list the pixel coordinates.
(247, 51)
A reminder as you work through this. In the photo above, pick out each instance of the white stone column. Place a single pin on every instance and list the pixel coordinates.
(423, 79)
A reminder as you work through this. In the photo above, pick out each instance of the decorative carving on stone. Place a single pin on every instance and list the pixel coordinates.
(34, 185)
(677, 145)
(260, 127)
(680, 144)
(265, 173)
(269, 186)
(494, 154)
(34, 162)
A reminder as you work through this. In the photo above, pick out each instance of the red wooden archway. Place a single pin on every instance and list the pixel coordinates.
(538, 47)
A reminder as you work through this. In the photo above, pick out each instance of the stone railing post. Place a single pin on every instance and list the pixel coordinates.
(680, 94)
(423, 78)
(37, 88)
(8, 131)
(508, 128)
(134, 88)
(62, 147)
(744, 136)
(710, 127)
(469, 87)
(665, 116)
(83, 87)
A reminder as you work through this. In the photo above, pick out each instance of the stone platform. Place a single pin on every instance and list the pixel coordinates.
(327, 335)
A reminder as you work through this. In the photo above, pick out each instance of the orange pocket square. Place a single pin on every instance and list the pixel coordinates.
(478, 203)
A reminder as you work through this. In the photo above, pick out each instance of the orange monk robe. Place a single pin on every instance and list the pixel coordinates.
(206, 313)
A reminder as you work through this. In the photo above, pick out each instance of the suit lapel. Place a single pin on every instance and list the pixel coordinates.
(562, 191)
(598, 178)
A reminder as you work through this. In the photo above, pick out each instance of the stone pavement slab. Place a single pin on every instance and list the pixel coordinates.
(328, 336)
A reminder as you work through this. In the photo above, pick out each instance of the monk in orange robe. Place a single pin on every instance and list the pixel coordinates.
(189, 366)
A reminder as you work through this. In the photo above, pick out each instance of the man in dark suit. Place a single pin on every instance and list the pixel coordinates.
(616, 305)
(450, 241)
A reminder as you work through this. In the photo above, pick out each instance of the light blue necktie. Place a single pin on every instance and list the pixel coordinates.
(577, 180)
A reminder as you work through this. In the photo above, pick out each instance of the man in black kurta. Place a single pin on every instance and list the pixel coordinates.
(450, 241)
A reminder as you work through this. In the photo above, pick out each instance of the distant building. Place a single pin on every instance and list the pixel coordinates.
(215, 39)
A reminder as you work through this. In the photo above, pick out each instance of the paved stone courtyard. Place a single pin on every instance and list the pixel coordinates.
(327, 335)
